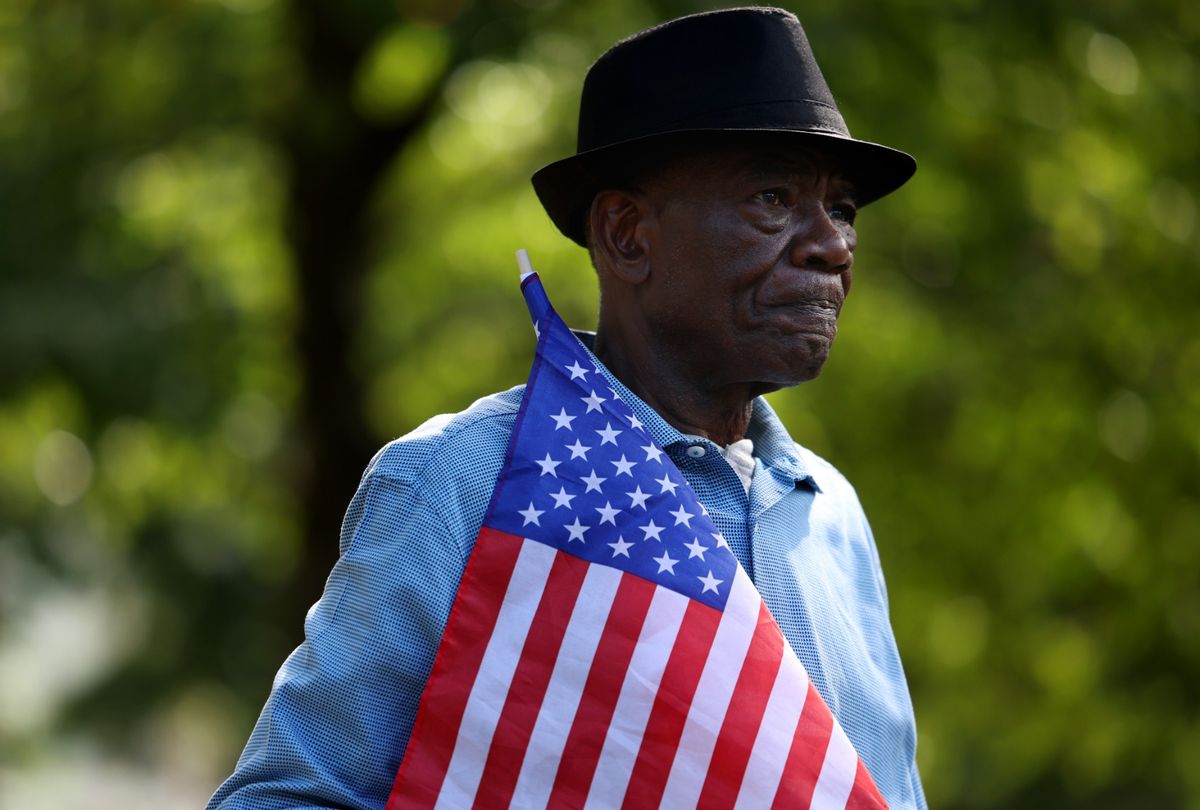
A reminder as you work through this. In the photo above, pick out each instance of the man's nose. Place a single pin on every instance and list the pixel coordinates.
(822, 243)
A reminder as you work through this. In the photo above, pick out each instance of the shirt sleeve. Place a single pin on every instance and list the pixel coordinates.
(340, 711)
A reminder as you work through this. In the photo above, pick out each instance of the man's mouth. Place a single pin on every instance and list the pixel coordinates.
(810, 317)
(816, 306)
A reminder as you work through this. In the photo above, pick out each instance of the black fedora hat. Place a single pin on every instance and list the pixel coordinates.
(742, 70)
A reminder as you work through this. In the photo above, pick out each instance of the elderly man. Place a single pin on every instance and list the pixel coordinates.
(715, 187)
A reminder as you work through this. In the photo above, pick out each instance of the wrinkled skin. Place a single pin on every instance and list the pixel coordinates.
(722, 275)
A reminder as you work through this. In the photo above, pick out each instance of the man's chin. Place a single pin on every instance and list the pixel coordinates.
(809, 368)
(803, 356)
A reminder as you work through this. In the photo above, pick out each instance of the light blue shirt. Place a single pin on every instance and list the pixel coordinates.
(335, 725)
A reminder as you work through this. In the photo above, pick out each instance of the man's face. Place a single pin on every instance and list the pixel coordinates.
(750, 253)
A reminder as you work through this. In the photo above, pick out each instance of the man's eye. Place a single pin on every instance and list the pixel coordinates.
(844, 212)
(772, 196)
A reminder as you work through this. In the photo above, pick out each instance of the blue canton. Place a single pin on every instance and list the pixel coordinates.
(599, 486)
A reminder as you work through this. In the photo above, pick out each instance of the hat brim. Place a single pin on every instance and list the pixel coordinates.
(567, 187)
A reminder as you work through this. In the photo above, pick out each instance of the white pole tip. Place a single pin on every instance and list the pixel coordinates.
(523, 264)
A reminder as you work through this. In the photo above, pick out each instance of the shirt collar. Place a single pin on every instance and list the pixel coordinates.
(772, 444)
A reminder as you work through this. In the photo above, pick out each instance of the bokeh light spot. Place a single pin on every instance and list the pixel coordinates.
(62, 467)
(399, 71)
(1172, 209)
(1112, 64)
(1125, 425)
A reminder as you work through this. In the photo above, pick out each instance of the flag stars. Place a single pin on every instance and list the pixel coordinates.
(593, 402)
(608, 514)
(576, 529)
(549, 466)
(609, 435)
(562, 420)
(665, 563)
(710, 582)
(638, 497)
(624, 466)
(682, 516)
(653, 453)
(531, 515)
(621, 548)
(561, 498)
(593, 482)
(652, 531)
(671, 513)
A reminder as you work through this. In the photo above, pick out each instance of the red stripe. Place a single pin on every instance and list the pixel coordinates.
(670, 710)
(806, 755)
(755, 682)
(472, 619)
(599, 697)
(529, 682)
(865, 795)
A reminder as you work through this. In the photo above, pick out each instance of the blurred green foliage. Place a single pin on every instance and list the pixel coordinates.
(1015, 392)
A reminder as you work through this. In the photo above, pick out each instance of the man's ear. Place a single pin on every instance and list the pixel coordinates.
(622, 224)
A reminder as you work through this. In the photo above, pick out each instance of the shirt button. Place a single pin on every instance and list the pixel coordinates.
(696, 451)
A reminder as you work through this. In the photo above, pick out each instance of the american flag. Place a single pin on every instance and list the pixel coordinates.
(605, 648)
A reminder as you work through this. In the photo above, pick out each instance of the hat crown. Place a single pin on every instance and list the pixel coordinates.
(714, 70)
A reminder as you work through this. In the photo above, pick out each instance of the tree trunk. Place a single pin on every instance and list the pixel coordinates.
(335, 161)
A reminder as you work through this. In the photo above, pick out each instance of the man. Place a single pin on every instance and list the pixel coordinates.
(715, 187)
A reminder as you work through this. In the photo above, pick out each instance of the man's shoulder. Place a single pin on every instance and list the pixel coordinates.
(775, 442)
(829, 478)
(474, 438)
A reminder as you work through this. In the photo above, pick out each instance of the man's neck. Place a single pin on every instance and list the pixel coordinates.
(720, 414)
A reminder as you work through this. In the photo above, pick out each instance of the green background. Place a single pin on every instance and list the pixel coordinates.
(243, 243)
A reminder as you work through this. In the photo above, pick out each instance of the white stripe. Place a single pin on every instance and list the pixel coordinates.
(713, 693)
(837, 773)
(557, 714)
(495, 674)
(638, 691)
(775, 735)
